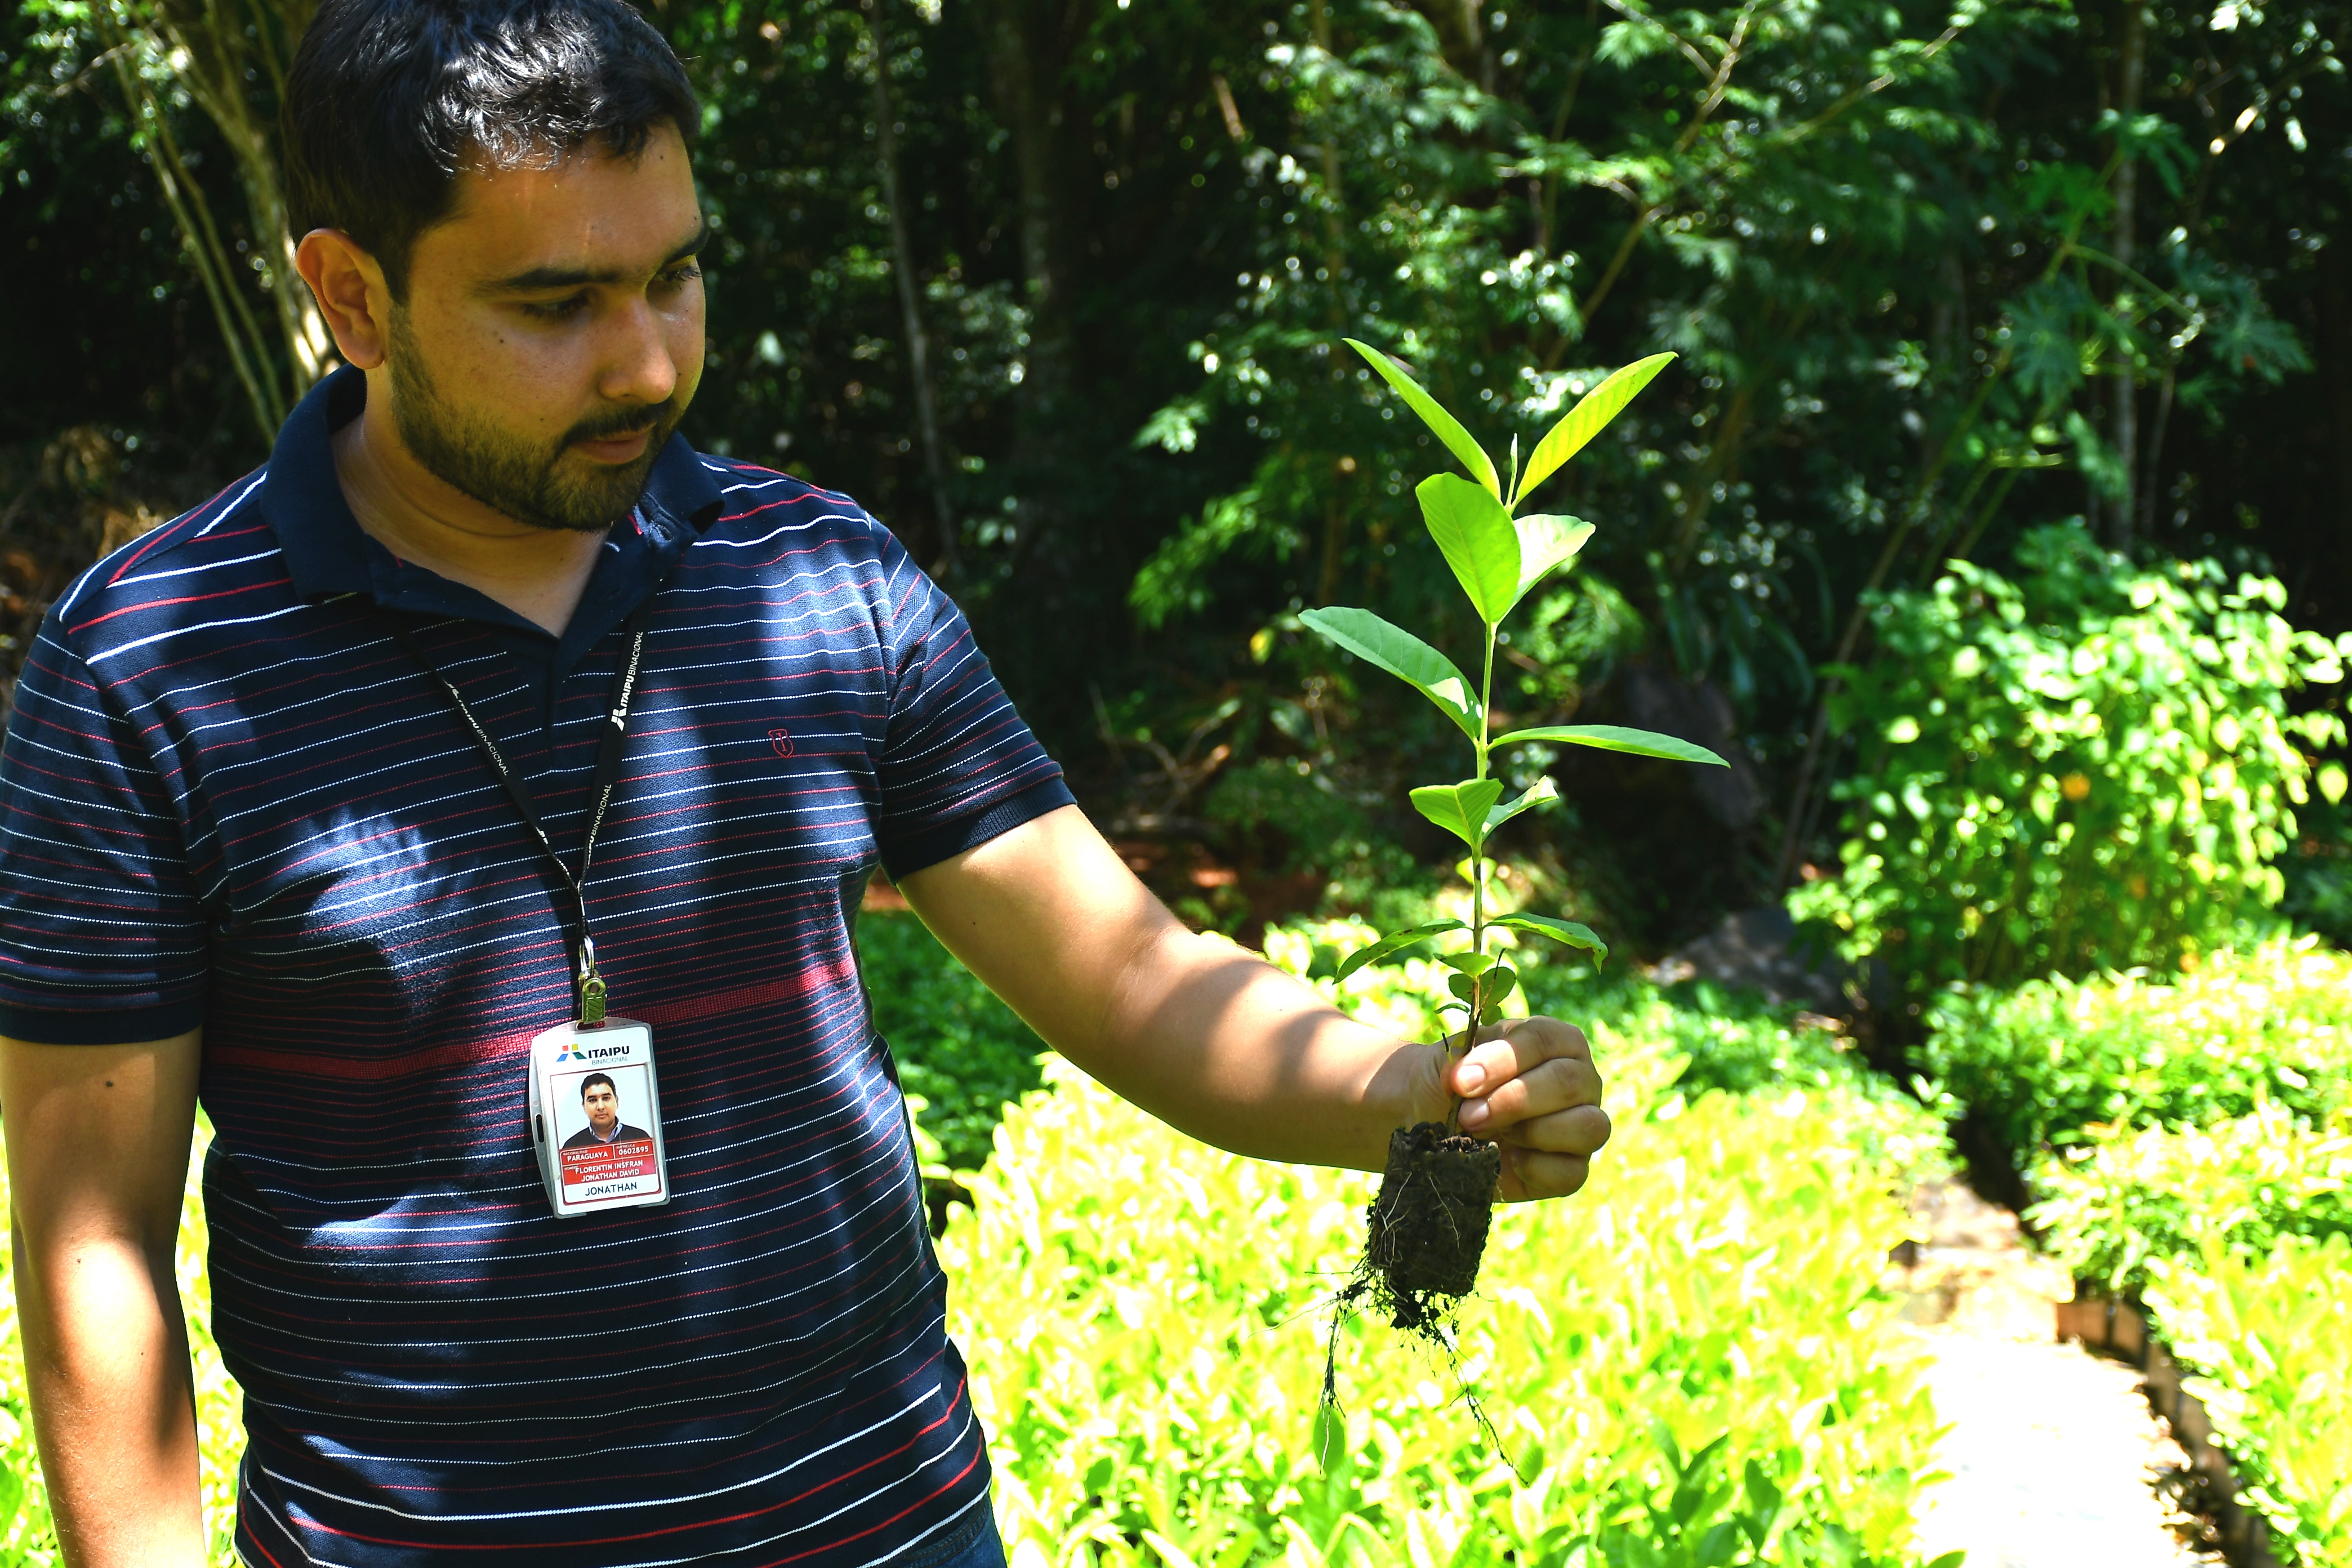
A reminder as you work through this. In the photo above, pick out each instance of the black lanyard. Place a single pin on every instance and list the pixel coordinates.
(608, 777)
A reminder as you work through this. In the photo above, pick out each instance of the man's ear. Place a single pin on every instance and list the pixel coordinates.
(352, 293)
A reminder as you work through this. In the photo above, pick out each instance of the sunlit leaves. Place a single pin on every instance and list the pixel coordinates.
(1460, 808)
(1475, 534)
(1545, 542)
(1615, 738)
(1395, 943)
(1540, 793)
(1565, 931)
(1447, 428)
(1404, 656)
(1584, 421)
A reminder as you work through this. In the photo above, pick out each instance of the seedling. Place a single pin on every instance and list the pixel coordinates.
(1427, 1228)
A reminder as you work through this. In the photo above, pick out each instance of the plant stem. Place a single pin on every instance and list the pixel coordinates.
(1479, 858)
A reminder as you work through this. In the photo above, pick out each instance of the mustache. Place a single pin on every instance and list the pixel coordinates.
(623, 422)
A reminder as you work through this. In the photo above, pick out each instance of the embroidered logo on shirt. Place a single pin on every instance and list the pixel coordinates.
(782, 740)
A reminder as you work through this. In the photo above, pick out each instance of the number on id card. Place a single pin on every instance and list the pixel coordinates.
(596, 1117)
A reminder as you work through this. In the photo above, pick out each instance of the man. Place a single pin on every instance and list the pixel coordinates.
(601, 1102)
(297, 806)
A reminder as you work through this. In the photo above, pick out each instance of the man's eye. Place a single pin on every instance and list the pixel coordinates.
(557, 309)
(680, 276)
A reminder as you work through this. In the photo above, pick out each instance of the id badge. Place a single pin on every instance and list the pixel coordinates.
(596, 1117)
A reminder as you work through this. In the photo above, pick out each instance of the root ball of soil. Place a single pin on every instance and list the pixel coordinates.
(1427, 1234)
(1428, 1225)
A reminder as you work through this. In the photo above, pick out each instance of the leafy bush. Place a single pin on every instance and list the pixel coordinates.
(2137, 1196)
(2041, 1066)
(2266, 1334)
(2318, 870)
(959, 1051)
(2092, 766)
(1317, 823)
(1695, 1359)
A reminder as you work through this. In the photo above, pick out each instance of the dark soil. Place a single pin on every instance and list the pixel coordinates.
(1428, 1227)
(1427, 1231)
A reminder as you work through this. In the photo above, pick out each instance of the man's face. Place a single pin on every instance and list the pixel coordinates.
(603, 1107)
(551, 337)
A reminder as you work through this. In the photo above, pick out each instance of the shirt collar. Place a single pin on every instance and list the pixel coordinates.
(328, 552)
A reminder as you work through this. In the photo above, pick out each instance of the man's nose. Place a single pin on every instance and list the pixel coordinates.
(638, 366)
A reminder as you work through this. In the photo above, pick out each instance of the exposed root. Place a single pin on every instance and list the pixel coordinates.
(1425, 1234)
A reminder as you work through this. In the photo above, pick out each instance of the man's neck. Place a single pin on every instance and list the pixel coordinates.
(537, 572)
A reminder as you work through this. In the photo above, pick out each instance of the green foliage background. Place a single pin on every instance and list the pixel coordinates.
(2088, 766)
(1935, 279)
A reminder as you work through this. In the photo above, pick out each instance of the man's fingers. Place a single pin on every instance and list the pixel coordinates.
(1530, 1174)
(1580, 1132)
(1560, 1084)
(1506, 1050)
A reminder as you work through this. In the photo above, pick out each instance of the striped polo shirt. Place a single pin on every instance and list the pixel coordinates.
(229, 798)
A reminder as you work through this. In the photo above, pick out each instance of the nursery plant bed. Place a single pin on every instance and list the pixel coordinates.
(2120, 1328)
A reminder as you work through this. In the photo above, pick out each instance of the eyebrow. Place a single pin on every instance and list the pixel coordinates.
(540, 279)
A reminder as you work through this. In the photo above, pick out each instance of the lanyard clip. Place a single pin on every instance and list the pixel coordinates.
(592, 986)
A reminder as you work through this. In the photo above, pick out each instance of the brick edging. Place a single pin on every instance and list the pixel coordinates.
(2121, 1329)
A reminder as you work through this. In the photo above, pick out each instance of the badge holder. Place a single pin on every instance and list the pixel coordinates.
(598, 1070)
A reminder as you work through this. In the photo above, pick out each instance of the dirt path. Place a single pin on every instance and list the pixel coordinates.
(2054, 1456)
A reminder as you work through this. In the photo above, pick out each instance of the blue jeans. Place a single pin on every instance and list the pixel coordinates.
(987, 1548)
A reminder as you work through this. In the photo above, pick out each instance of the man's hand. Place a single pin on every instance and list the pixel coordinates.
(98, 1155)
(1529, 1085)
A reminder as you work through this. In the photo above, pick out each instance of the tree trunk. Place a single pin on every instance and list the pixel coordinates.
(222, 52)
(2124, 417)
(902, 263)
(2336, 369)
(1461, 40)
(1028, 44)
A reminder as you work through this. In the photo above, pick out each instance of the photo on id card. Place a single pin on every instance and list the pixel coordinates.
(603, 1122)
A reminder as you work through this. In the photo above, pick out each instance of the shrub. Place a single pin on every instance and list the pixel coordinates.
(959, 1051)
(1694, 1355)
(2138, 1196)
(2041, 1066)
(2318, 870)
(2092, 766)
(2266, 1336)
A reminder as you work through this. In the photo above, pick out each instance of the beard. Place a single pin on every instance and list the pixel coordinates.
(517, 477)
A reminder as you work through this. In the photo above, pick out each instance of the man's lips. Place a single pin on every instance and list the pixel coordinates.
(622, 449)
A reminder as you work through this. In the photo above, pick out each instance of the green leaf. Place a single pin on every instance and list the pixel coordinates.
(1447, 428)
(1330, 1441)
(1494, 986)
(1537, 793)
(1395, 943)
(1567, 932)
(1460, 808)
(1473, 962)
(1479, 542)
(1586, 420)
(1545, 542)
(1616, 738)
(1404, 656)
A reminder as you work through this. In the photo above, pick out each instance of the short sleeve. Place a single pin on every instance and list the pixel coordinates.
(958, 765)
(101, 935)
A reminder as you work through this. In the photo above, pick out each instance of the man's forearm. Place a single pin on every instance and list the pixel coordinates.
(1221, 1044)
(97, 1156)
(106, 1358)
(1205, 1036)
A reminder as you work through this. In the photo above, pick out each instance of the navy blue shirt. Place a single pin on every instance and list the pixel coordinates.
(229, 799)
